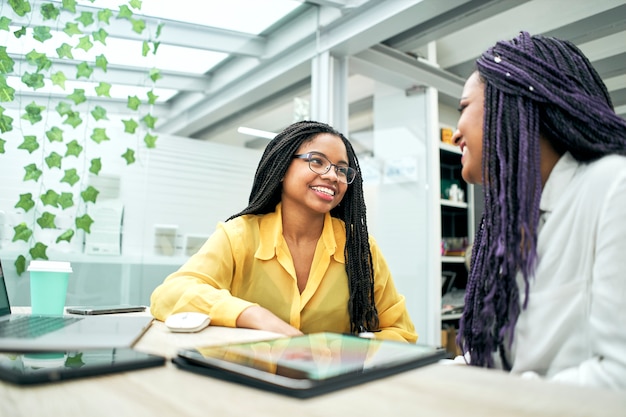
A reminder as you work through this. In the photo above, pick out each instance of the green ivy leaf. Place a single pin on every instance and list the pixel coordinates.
(103, 89)
(55, 134)
(159, 28)
(84, 222)
(138, 25)
(54, 160)
(69, 5)
(50, 198)
(155, 47)
(20, 265)
(129, 156)
(155, 74)
(99, 113)
(152, 98)
(65, 51)
(149, 120)
(78, 96)
(150, 141)
(33, 113)
(34, 81)
(104, 15)
(124, 13)
(6, 62)
(5, 23)
(7, 93)
(84, 43)
(72, 29)
(38, 251)
(66, 236)
(99, 135)
(145, 48)
(66, 200)
(49, 12)
(130, 125)
(90, 194)
(30, 144)
(86, 18)
(96, 166)
(2, 142)
(41, 33)
(135, 4)
(32, 173)
(73, 119)
(6, 122)
(19, 33)
(46, 221)
(102, 63)
(71, 177)
(63, 108)
(100, 36)
(58, 78)
(20, 7)
(38, 60)
(133, 102)
(83, 70)
(21, 232)
(26, 202)
(73, 148)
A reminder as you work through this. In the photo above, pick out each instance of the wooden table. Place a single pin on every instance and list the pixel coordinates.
(435, 390)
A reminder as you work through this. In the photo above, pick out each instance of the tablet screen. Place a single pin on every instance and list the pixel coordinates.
(40, 367)
(317, 356)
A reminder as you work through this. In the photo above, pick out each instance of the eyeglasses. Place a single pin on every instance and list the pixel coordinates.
(319, 164)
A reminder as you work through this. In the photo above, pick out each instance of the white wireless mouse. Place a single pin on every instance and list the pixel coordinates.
(187, 322)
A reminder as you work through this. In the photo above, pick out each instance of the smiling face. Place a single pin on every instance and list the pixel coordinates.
(469, 133)
(303, 189)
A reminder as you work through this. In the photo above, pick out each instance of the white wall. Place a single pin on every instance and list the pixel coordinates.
(184, 182)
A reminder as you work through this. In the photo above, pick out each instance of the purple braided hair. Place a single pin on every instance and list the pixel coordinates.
(533, 85)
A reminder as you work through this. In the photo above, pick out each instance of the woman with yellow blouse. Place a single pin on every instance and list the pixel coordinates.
(299, 258)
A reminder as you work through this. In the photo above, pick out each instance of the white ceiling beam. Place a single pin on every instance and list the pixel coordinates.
(243, 81)
(386, 64)
(126, 76)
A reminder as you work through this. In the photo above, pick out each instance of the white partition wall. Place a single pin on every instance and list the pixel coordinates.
(398, 200)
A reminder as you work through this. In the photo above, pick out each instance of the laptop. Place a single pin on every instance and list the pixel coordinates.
(308, 365)
(34, 333)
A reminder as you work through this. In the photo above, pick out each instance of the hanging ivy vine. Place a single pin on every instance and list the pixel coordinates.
(85, 27)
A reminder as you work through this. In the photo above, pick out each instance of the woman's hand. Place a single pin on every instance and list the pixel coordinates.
(257, 317)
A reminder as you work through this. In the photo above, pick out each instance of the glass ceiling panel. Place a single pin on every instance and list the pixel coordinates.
(118, 52)
(247, 16)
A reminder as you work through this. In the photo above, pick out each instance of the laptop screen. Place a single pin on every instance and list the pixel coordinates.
(5, 307)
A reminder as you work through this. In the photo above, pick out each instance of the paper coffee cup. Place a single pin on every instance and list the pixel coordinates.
(48, 286)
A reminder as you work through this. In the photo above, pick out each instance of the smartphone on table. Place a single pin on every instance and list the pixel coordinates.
(108, 309)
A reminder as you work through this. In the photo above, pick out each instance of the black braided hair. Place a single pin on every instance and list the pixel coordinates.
(266, 194)
(533, 85)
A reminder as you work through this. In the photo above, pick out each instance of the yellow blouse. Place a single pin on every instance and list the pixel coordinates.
(246, 261)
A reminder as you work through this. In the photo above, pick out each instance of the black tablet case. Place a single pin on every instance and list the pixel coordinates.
(300, 385)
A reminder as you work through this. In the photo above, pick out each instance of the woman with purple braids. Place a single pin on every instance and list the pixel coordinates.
(547, 280)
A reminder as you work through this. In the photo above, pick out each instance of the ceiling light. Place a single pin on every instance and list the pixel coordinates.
(256, 132)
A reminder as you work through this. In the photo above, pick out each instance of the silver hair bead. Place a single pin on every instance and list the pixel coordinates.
(531, 88)
(497, 59)
(508, 74)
